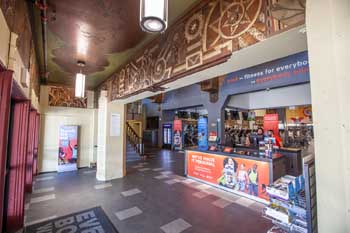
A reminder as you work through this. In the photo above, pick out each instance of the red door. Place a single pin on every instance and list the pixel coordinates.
(30, 150)
(5, 104)
(36, 144)
(17, 165)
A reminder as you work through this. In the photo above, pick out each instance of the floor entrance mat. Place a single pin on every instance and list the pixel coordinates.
(86, 221)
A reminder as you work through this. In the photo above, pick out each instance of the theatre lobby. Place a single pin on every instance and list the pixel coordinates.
(174, 116)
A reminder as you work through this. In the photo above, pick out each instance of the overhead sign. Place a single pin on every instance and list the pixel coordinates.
(285, 71)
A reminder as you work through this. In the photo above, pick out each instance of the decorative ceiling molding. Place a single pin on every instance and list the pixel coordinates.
(64, 97)
(205, 37)
(289, 12)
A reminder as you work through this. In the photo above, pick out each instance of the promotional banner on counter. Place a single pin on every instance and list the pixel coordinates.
(68, 148)
(177, 134)
(242, 175)
(202, 133)
(281, 72)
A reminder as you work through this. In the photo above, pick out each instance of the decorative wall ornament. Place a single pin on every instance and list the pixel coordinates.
(205, 37)
(289, 12)
(65, 97)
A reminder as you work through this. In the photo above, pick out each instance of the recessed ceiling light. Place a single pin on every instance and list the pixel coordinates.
(80, 81)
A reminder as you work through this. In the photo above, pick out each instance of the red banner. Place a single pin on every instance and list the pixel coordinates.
(177, 134)
(243, 175)
(271, 123)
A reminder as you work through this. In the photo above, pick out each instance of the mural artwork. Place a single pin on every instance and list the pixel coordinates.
(206, 36)
(64, 97)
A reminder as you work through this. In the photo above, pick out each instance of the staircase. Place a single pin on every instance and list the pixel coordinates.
(135, 145)
(131, 154)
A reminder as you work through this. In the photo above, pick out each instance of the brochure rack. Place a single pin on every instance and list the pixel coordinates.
(293, 206)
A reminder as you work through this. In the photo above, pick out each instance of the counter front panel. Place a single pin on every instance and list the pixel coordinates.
(248, 176)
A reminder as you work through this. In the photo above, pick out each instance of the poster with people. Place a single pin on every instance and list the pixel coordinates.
(238, 174)
(203, 133)
(68, 148)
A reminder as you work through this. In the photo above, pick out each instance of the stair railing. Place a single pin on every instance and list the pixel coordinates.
(135, 140)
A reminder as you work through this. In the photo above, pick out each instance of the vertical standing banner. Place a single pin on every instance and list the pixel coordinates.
(271, 123)
(68, 148)
(203, 133)
(177, 134)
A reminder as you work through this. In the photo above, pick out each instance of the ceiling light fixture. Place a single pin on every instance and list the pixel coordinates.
(80, 81)
(154, 15)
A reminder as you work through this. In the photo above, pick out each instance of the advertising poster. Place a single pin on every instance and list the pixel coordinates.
(300, 114)
(242, 175)
(271, 123)
(68, 148)
(202, 133)
(177, 134)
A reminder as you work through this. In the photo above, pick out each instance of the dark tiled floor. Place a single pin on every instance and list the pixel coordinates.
(160, 202)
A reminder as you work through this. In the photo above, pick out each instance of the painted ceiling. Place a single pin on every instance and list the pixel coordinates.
(103, 33)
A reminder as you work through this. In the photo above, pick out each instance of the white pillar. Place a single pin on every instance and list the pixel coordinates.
(328, 42)
(111, 148)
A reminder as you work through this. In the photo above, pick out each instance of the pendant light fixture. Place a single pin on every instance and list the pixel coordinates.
(154, 15)
(80, 81)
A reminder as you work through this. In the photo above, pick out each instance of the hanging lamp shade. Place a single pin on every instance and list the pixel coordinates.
(154, 15)
(80, 85)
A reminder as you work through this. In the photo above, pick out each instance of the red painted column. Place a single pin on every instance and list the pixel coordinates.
(30, 150)
(5, 106)
(17, 166)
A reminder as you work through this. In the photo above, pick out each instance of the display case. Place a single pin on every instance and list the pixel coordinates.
(167, 132)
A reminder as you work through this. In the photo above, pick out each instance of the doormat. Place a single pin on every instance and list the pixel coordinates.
(91, 220)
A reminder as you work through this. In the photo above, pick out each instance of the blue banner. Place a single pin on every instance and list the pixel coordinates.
(285, 71)
(203, 133)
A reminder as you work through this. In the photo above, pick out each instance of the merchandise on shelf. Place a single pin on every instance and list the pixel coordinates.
(276, 229)
(278, 213)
